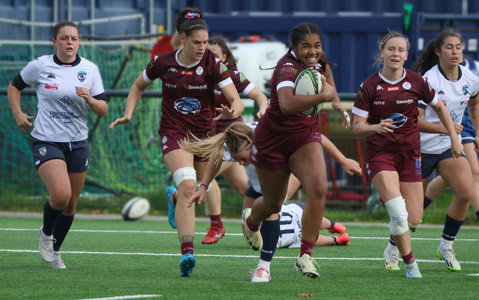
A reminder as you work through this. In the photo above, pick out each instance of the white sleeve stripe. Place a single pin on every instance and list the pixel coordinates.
(360, 112)
(285, 84)
(225, 82)
(248, 89)
(434, 101)
(145, 77)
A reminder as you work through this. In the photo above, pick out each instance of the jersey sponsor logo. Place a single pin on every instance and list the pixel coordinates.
(186, 73)
(288, 69)
(187, 106)
(379, 102)
(173, 69)
(81, 76)
(406, 85)
(199, 70)
(197, 87)
(51, 76)
(406, 101)
(393, 88)
(51, 87)
(65, 101)
(170, 85)
(65, 115)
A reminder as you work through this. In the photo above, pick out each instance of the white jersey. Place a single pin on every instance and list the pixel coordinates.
(455, 95)
(61, 113)
(290, 229)
(250, 168)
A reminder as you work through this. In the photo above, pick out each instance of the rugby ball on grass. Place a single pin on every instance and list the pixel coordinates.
(309, 82)
(135, 209)
(397, 119)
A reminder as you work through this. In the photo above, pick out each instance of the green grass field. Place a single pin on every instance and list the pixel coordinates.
(113, 259)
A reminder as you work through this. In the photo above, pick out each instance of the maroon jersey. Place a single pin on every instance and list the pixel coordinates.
(188, 97)
(378, 97)
(242, 84)
(284, 75)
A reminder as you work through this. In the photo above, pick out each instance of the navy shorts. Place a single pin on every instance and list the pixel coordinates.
(75, 154)
(429, 162)
(252, 193)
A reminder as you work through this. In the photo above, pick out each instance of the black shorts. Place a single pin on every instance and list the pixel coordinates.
(252, 193)
(75, 154)
(429, 162)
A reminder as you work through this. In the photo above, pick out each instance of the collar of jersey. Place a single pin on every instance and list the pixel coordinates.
(444, 74)
(72, 64)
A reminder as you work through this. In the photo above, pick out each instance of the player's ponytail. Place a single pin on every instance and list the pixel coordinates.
(235, 136)
(190, 19)
(429, 58)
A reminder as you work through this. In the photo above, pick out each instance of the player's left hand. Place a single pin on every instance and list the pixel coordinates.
(456, 148)
(351, 167)
(226, 113)
(198, 196)
(83, 92)
(346, 120)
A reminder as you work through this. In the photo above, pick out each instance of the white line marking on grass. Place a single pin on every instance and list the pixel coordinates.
(476, 274)
(227, 256)
(124, 297)
(227, 234)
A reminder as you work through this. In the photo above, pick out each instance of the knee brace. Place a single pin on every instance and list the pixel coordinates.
(182, 174)
(398, 215)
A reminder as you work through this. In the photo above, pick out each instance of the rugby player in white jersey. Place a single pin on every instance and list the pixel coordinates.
(457, 87)
(66, 86)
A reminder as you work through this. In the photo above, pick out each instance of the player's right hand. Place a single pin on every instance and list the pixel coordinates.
(198, 196)
(385, 126)
(119, 121)
(23, 121)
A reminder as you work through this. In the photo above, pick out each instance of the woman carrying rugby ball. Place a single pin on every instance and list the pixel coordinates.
(392, 151)
(287, 141)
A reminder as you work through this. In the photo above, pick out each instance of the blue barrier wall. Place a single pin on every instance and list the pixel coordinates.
(328, 6)
(350, 42)
(351, 28)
